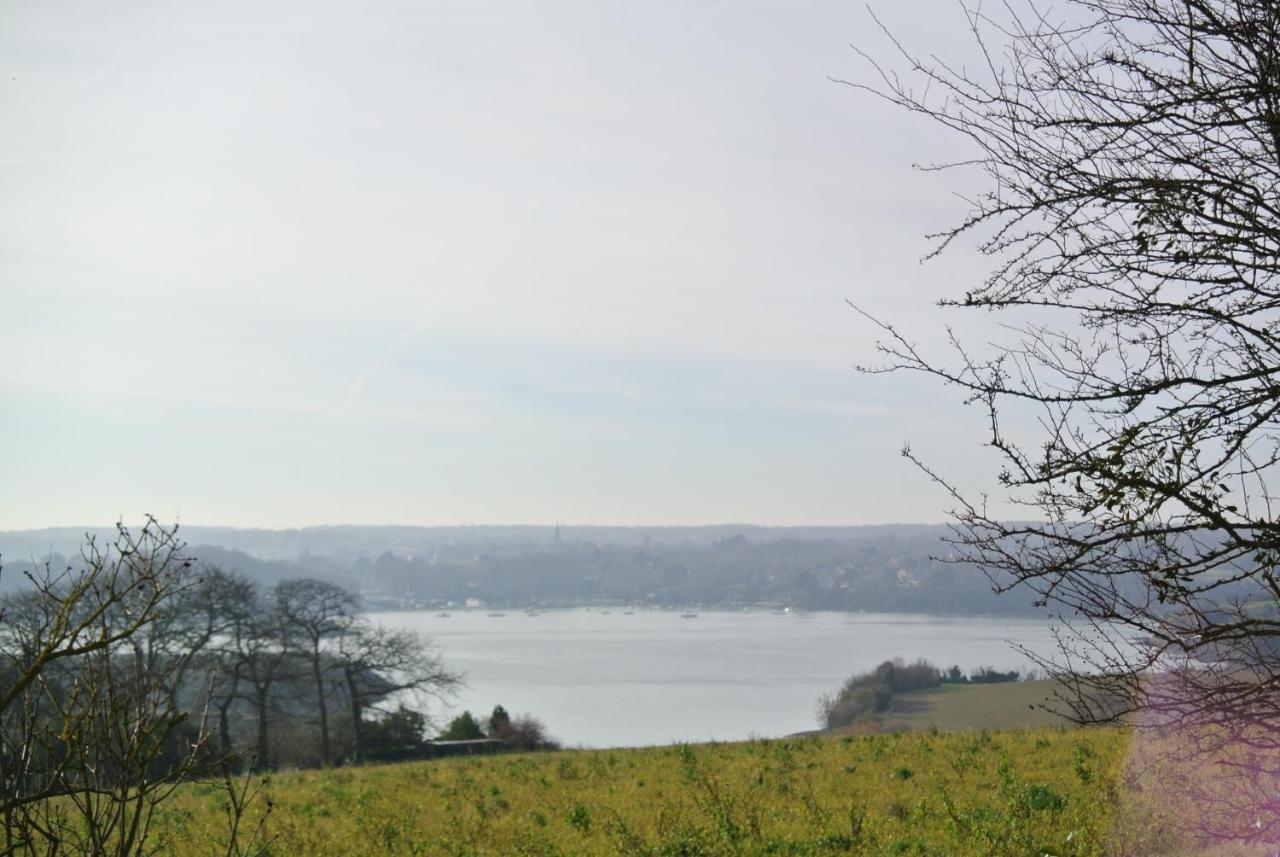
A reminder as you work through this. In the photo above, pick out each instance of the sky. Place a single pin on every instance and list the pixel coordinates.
(296, 263)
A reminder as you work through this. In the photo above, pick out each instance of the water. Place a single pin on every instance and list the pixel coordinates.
(655, 677)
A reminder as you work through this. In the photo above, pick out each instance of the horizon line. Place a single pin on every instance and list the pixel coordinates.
(473, 525)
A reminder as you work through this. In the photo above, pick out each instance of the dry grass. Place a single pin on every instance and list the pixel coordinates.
(1011, 705)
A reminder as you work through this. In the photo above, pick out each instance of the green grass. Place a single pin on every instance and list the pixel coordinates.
(1031, 792)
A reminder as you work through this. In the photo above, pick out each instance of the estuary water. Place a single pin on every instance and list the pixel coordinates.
(612, 679)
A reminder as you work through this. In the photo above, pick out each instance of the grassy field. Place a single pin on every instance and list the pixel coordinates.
(1029, 792)
(1012, 705)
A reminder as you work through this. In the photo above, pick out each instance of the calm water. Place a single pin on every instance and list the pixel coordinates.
(601, 680)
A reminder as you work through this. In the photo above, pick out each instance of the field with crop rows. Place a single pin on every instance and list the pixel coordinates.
(1028, 792)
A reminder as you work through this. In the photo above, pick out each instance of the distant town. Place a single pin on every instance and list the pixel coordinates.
(893, 568)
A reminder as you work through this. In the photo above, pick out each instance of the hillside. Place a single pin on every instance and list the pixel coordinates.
(1009, 705)
(872, 568)
(1043, 791)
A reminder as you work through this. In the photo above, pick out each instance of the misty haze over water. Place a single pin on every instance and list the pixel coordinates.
(602, 679)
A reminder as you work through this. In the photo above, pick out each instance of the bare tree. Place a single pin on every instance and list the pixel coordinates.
(261, 661)
(306, 633)
(316, 611)
(1131, 150)
(239, 608)
(92, 740)
(378, 664)
(181, 635)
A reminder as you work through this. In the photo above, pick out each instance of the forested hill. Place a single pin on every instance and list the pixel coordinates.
(873, 568)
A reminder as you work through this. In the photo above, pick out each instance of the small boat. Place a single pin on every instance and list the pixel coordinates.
(688, 615)
(443, 615)
(605, 612)
(495, 614)
(629, 613)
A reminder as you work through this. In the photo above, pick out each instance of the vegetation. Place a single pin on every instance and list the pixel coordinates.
(1130, 157)
(114, 669)
(464, 727)
(864, 697)
(871, 693)
(959, 706)
(294, 673)
(400, 734)
(982, 675)
(522, 732)
(94, 736)
(1004, 793)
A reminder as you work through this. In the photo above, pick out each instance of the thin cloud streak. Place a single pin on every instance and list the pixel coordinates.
(320, 262)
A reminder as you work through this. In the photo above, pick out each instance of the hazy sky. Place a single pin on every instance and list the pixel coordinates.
(276, 264)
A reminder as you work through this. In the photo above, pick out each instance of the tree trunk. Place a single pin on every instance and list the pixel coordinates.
(263, 760)
(357, 726)
(224, 713)
(224, 727)
(321, 708)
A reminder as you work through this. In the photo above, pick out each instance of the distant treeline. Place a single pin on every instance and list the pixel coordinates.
(870, 694)
(347, 543)
(886, 568)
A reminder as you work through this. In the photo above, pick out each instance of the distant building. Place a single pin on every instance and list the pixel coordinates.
(468, 747)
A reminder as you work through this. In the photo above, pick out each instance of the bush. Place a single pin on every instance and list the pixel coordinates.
(900, 677)
(398, 735)
(463, 728)
(524, 733)
(987, 675)
(872, 693)
(498, 720)
(865, 695)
